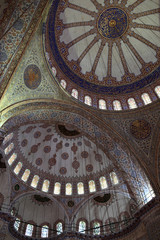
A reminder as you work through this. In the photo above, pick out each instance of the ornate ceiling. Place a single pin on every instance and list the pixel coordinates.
(44, 147)
(104, 48)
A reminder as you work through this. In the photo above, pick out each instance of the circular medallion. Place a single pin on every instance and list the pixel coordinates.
(112, 23)
(32, 76)
(89, 168)
(140, 129)
(65, 156)
(84, 154)
(98, 157)
(66, 144)
(34, 148)
(52, 161)
(37, 134)
(47, 149)
(63, 170)
(24, 143)
(39, 161)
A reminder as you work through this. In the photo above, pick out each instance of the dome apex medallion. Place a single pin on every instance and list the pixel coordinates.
(112, 23)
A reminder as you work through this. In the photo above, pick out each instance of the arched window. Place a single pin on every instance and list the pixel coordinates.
(18, 168)
(12, 212)
(124, 217)
(29, 230)
(17, 224)
(92, 186)
(35, 181)
(9, 148)
(157, 90)
(88, 100)
(133, 209)
(82, 227)
(111, 225)
(117, 105)
(96, 228)
(132, 104)
(146, 98)
(103, 182)
(45, 231)
(12, 159)
(63, 84)
(45, 185)
(102, 104)
(59, 228)
(68, 189)
(26, 175)
(114, 178)
(54, 71)
(74, 93)
(148, 193)
(57, 188)
(80, 188)
(7, 138)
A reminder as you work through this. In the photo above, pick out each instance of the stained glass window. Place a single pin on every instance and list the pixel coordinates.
(18, 168)
(26, 175)
(88, 100)
(59, 228)
(103, 183)
(82, 227)
(68, 189)
(124, 219)
(63, 83)
(45, 231)
(54, 71)
(7, 138)
(148, 193)
(146, 98)
(9, 148)
(45, 186)
(132, 104)
(17, 224)
(96, 228)
(157, 90)
(12, 158)
(92, 187)
(117, 105)
(35, 181)
(29, 230)
(114, 178)
(74, 93)
(102, 104)
(80, 188)
(57, 188)
(112, 227)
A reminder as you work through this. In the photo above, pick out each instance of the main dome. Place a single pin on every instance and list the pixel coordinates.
(104, 48)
